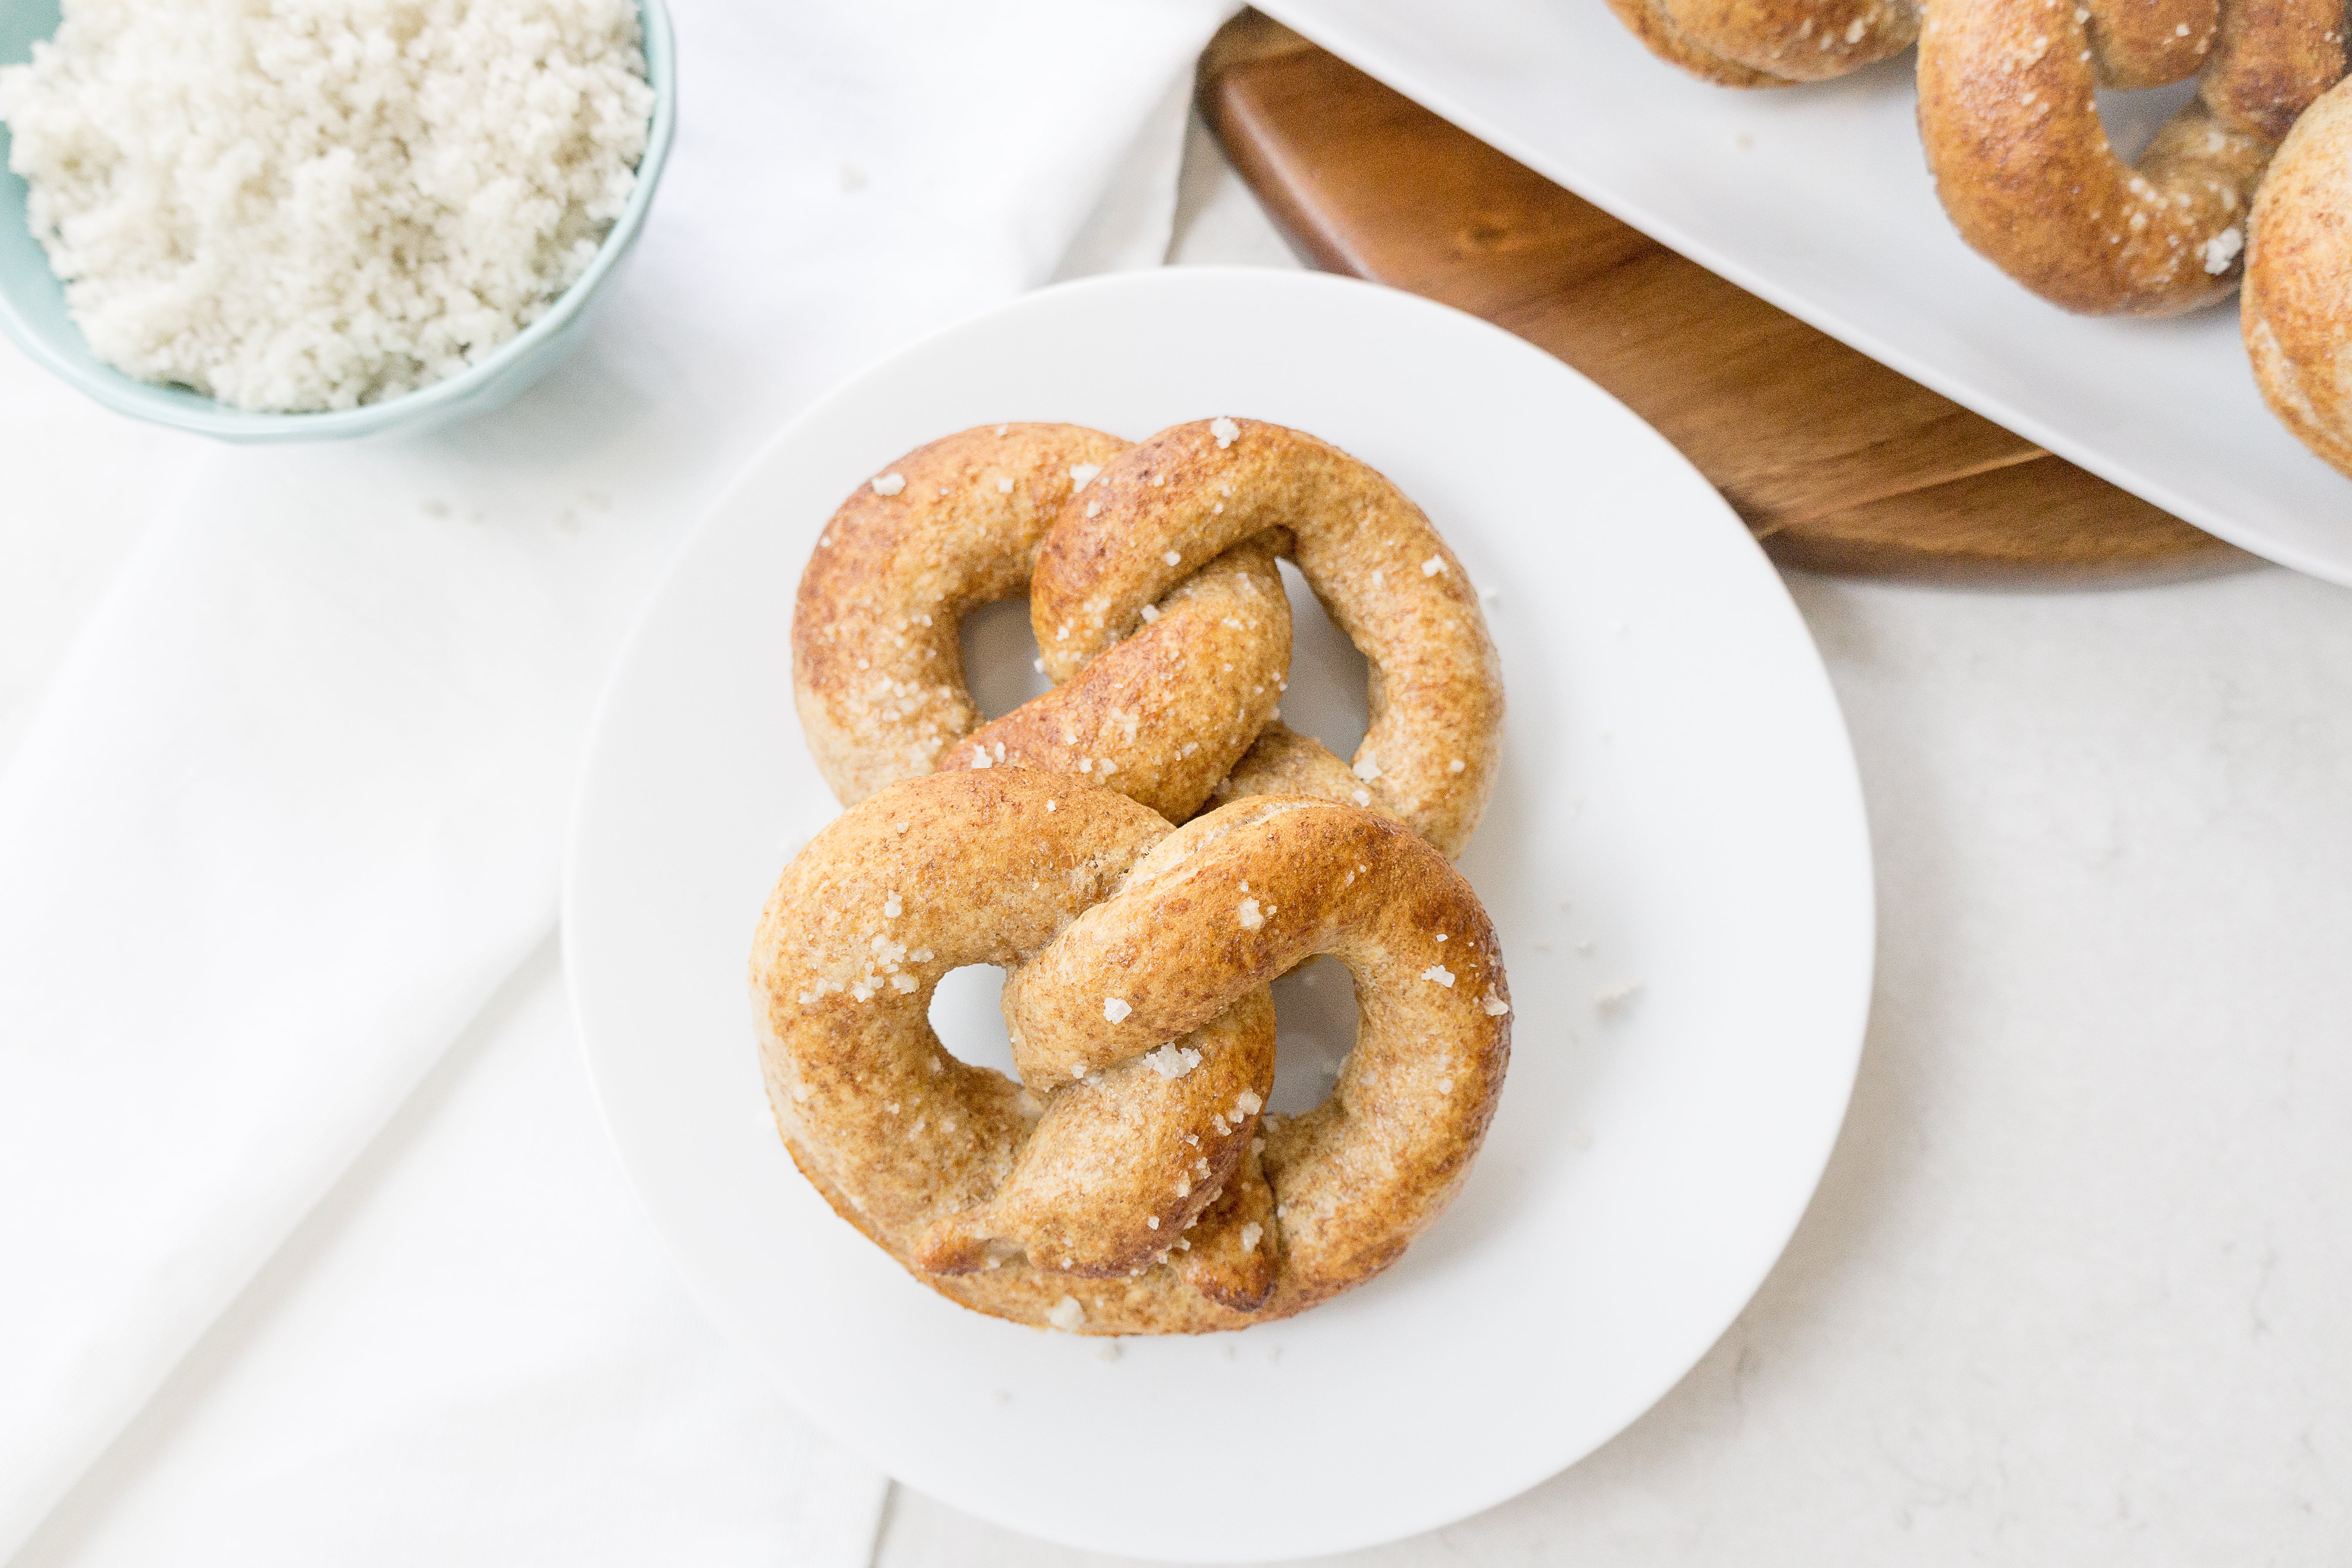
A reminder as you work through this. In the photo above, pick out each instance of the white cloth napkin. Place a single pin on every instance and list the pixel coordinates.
(289, 819)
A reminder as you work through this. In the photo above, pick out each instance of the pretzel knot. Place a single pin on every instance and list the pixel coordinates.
(1130, 1183)
(1157, 608)
(2023, 161)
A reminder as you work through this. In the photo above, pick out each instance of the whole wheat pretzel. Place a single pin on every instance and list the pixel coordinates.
(1129, 1184)
(1770, 43)
(2296, 310)
(2023, 164)
(1158, 610)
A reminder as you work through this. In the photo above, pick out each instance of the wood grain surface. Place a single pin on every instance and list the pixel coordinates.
(1837, 463)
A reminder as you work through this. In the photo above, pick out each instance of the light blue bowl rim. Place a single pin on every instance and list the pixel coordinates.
(205, 417)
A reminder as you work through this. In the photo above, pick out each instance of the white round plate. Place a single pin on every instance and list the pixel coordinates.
(1676, 857)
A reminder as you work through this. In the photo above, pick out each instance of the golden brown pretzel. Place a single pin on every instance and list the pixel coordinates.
(1382, 573)
(1169, 669)
(2297, 312)
(2024, 166)
(1770, 43)
(1130, 1186)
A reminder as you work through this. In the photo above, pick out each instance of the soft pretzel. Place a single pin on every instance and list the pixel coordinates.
(1158, 613)
(1378, 569)
(1770, 43)
(2024, 166)
(2297, 312)
(1129, 1184)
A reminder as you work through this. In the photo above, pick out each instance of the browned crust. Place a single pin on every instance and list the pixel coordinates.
(2297, 310)
(1770, 43)
(1157, 1205)
(2024, 168)
(1382, 573)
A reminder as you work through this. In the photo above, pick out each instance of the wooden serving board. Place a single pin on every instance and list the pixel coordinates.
(1836, 462)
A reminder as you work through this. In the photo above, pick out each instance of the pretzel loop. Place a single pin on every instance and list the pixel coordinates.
(1125, 1187)
(2025, 167)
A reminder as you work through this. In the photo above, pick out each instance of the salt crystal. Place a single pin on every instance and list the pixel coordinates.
(1114, 1010)
(889, 484)
(1440, 973)
(1224, 431)
(1067, 1315)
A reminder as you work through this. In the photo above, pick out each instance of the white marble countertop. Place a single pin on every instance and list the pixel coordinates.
(2077, 1286)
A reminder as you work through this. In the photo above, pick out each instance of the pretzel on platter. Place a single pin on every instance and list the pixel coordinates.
(1159, 611)
(2297, 312)
(1129, 1184)
(1770, 43)
(2024, 168)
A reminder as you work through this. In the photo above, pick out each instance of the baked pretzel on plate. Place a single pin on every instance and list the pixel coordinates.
(2025, 167)
(1770, 43)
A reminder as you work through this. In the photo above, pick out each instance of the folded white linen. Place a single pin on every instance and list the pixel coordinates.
(471, 1351)
(290, 814)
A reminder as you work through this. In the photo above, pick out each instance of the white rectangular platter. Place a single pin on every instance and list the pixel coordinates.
(1817, 198)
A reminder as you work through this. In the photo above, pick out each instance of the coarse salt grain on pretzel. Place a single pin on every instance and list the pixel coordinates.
(1770, 43)
(878, 663)
(2024, 166)
(1131, 1186)
(1158, 613)
(2296, 314)
(1388, 581)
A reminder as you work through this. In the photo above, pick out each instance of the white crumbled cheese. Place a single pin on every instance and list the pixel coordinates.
(1494, 1005)
(1171, 558)
(1250, 1234)
(1067, 1315)
(2222, 249)
(889, 484)
(1082, 475)
(1005, 487)
(1368, 767)
(1224, 431)
(1114, 1010)
(1172, 1061)
(1252, 917)
(1440, 973)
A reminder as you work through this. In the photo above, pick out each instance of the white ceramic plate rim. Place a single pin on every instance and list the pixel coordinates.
(1848, 971)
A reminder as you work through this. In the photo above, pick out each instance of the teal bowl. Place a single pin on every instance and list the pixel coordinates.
(33, 304)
